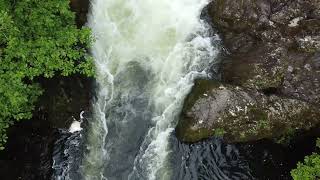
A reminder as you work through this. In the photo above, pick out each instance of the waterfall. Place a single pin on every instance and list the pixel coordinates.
(147, 54)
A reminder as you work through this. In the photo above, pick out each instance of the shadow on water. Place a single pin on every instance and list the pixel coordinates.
(208, 160)
(272, 161)
(213, 159)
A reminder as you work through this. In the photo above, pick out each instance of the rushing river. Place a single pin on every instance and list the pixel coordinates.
(147, 55)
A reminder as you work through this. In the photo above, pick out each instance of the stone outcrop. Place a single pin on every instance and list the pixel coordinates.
(270, 73)
(238, 114)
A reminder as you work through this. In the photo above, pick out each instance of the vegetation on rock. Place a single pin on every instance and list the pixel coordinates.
(310, 168)
(269, 84)
(37, 39)
(240, 114)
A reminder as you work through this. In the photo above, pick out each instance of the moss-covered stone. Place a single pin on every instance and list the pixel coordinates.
(242, 114)
(271, 44)
(256, 69)
(270, 75)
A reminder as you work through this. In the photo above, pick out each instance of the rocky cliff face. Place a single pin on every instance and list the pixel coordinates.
(270, 73)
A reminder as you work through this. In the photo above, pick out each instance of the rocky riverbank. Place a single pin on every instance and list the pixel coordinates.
(29, 151)
(270, 73)
(269, 87)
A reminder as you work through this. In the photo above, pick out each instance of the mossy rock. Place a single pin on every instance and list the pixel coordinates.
(256, 69)
(241, 114)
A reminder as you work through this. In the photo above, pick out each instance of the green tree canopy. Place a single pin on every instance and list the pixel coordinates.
(37, 39)
(309, 169)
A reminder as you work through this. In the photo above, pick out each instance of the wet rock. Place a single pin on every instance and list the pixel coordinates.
(80, 7)
(263, 67)
(244, 24)
(64, 99)
(29, 151)
(291, 73)
(241, 114)
(302, 77)
(280, 48)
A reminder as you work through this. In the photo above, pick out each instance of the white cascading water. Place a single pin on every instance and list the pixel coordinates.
(147, 54)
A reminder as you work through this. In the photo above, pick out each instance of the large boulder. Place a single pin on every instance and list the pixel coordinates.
(270, 67)
(244, 24)
(239, 114)
(270, 81)
(273, 44)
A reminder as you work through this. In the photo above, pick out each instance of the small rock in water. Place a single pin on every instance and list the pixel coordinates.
(81, 115)
(75, 126)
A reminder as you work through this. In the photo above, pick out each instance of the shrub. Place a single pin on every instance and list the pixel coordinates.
(37, 39)
(309, 169)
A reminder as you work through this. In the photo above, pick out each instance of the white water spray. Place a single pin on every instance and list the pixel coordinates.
(147, 54)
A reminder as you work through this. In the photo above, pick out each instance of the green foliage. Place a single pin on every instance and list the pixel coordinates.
(219, 132)
(37, 39)
(4, 4)
(310, 169)
(287, 137)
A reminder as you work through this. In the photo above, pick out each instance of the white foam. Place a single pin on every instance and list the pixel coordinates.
(167, 38)
(75, 127)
